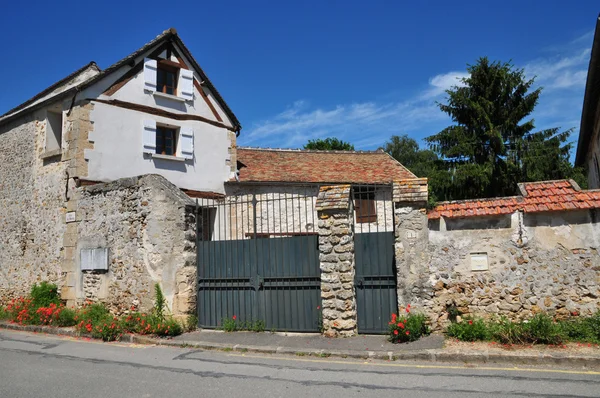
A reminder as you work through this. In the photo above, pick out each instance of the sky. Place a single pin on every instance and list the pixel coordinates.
(360, 71)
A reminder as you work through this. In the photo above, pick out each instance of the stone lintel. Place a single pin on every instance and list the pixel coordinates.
(333, 197)
(410, 190)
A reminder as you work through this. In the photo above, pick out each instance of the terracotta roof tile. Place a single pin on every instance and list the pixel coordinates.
(287, 165)
(536, 197)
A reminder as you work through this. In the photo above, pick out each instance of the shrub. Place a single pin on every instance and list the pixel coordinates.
(191, 323)
(159, 302)
(582, 329)
(167, 327)
(506, 331)
(20, 310)
(93, 313)
(48, 315)
(108, 329)
(541, 329)
(469, 330)
(3, 313)
(66, 317)
(229, 324)
(407, 327)
(44, 294)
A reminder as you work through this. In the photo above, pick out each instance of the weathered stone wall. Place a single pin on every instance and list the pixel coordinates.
(32, 201)
(536, 262)
(148, 225)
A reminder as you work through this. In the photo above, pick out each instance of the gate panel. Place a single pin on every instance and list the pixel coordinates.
(375, 277)
(258, 259)
(375, 281)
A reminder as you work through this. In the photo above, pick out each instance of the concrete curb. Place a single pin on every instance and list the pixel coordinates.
(436, 355)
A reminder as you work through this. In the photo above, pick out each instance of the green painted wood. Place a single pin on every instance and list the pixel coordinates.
(375, 280)
(275, 280)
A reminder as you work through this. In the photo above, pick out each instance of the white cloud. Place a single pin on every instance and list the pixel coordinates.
(369, 124)
(440, 83)
(560, 72)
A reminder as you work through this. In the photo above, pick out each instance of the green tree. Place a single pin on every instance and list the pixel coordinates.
(492, 144)
(421, 162)
(329, 144)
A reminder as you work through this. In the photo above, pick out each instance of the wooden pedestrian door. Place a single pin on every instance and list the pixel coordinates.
(258, 260)
(375, 276)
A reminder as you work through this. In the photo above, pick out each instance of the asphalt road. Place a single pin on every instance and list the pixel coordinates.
(48, 366)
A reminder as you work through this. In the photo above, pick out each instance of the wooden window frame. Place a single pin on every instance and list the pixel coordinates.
(161, 134)
(165, 67)
(364, 205)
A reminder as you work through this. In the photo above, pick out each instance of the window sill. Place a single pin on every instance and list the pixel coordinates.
(169, 96)
(168, 157)
(51, 154)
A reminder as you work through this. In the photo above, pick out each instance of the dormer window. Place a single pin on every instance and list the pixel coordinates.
(169, 79)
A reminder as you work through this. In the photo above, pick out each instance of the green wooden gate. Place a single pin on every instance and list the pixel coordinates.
(259, 267)
(375, 281)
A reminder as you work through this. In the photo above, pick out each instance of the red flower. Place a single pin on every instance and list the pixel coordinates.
(394, 317)
(234, 317)
(400, 325)
(318, 307)
(470, 322)
(396, 332)
(407, 332)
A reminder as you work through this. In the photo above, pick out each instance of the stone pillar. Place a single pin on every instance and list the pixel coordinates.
(336, 256)
(411, 239)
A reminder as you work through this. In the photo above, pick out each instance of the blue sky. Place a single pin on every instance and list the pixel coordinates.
(359, 71)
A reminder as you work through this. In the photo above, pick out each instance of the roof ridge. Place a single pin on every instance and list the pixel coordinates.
(310, 150)
(51, 88)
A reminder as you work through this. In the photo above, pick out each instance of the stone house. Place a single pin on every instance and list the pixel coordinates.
(588, 147)
(73, 207)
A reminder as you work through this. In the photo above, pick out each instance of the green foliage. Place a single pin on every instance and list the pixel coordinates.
(407, 327)
(66, 317)
(329, 144)
(469, 330)
(44, 294)
(583, 329)
(159, 302)
(493, 144)
(541, 329)
(229, 324)
(191, 323)
(232, 325)
(93, 313)
(3, 313)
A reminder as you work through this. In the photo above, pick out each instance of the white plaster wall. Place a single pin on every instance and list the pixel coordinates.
(571, 229)
(118, 153)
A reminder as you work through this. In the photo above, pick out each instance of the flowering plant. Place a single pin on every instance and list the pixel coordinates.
(407, 326)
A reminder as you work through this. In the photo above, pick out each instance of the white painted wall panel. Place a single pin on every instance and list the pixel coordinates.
(118, 151)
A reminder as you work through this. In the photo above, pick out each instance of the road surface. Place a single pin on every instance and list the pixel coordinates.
(49, 366)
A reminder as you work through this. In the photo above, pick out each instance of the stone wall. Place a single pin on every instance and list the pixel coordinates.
(148, 226)
(32, 207)
(535, 262)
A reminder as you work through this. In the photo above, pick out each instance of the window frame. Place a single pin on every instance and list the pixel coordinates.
(165, 67)
(365, 208)
(161, 131)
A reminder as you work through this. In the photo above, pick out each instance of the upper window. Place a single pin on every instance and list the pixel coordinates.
(170, 78)
(166, 141)
(166, 79)
(364, 204)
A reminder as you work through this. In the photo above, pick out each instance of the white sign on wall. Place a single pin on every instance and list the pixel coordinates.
(70, 217)
(94, 259)
(479, 262)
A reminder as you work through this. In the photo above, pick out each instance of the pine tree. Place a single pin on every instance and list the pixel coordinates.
(493, 146)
